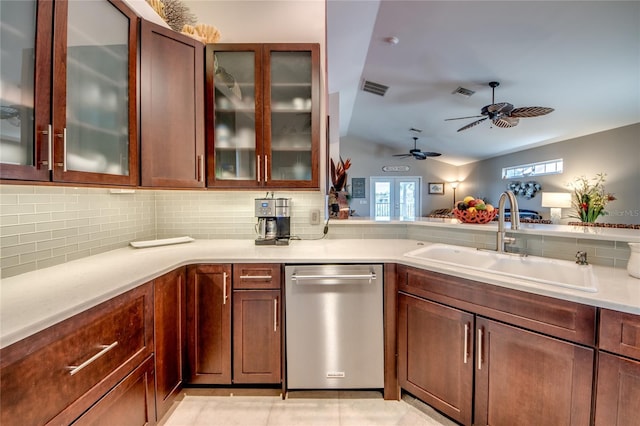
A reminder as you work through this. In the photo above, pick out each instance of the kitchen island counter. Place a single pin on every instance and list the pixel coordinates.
(36, 300)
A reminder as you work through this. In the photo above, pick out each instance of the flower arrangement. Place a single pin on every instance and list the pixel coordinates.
(590, 198)
(339, 174)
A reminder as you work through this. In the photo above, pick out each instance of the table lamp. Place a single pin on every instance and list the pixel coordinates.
(556, 201)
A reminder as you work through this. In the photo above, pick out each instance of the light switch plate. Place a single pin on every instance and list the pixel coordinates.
(314, 217)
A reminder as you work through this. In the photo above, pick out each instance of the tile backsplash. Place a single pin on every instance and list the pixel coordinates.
(42, 226)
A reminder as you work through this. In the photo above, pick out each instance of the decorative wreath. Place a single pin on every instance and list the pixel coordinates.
(527, 190)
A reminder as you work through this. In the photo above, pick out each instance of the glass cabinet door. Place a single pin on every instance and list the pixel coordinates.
(292, 126)
(25, 70)
(237, 115)
(94, 120)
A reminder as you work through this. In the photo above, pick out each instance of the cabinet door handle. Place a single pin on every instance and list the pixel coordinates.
(258, 163)
(63, 135)
(224, 288)
(49, 161)
(479, 348)
(266, 170)
(466, 342)
(200, 168)
(275, 314)
(74, 369)
(255, 277)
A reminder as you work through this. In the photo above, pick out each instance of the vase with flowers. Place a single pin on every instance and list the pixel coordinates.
(590, 198)
(338, 195)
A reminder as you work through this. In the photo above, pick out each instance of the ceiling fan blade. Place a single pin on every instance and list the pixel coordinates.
(470, 125)
(506, 122)
(402, 155)
(431, 154)
(534, 111)
(463, 118)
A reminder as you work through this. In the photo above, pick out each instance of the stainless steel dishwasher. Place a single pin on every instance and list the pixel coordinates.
(334, 326)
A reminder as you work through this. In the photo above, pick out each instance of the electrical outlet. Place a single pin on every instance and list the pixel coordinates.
(314, 217)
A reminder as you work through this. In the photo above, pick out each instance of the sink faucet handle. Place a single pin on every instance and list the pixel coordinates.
(509, 240)
(581, 258)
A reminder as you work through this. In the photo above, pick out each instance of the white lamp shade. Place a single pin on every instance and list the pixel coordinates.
(556, 199)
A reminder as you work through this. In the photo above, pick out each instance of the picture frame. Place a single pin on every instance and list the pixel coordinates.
(436, 188)
(358, 188)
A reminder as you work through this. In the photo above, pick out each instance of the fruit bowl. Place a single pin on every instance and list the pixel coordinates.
(478, 216)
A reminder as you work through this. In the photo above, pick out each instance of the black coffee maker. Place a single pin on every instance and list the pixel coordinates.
(273, 226)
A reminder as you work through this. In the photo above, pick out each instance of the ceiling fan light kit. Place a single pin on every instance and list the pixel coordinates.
(502, 114)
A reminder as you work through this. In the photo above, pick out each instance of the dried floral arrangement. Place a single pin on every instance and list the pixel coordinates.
(180, 18)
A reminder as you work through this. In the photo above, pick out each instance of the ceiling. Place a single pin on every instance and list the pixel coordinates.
(580, 57)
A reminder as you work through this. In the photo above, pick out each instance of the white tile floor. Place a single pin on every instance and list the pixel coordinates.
(215, 407)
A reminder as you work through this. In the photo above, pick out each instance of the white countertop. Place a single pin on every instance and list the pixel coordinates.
(36, 300)
(566, 231)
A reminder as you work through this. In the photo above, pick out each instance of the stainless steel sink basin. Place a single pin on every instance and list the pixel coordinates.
(553, 272)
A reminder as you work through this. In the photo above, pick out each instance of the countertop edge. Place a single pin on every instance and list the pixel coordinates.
(66, 292)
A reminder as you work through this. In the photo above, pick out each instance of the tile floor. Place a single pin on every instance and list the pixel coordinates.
(237, 407)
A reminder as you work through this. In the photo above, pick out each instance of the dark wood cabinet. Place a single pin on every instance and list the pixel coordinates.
(170, 337)
(530, 357)
(524, 378)
(79, 120)
(257, 331)
(263, 115)
(171, 108)
(618, 384)
(209, 306)
(75, 363)
(436, 365)
(130, 403)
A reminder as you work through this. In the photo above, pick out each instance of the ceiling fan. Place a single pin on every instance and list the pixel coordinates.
(503, 114)
(416, 153)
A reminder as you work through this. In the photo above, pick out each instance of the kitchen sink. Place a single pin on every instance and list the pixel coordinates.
(554, 272)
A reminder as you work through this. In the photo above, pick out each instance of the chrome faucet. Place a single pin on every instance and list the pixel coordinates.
(502, 239)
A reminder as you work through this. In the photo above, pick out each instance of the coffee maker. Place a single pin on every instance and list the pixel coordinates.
(273, 226)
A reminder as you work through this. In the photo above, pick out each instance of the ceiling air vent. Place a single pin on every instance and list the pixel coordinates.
(463, 92)
(375, 88)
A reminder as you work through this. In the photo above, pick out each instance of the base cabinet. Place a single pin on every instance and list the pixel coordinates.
(524, 378)
(130, 403)
(436, 363)
(257, 334)
(209, 324)
(170, 337)
(618, 387)
(458, 352)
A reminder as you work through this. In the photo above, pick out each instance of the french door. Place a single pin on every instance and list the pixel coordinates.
(396, 198)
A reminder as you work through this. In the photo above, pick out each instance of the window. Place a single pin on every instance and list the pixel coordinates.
(395, 198)
(549, 167)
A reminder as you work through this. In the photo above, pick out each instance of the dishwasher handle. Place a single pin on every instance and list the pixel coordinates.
(335, 277)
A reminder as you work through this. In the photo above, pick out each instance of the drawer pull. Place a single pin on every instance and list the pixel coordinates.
(256, 277)
(105, 348)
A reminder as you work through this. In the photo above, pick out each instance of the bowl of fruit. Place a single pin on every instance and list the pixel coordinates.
(474, 210)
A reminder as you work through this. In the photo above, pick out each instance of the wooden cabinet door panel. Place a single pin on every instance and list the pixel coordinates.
(256, 336)
(209, 324)
(172, 108)
(170, 328)
(130, 403)
(435, 360)
(620, 333)
(523, 378)
(618, 391)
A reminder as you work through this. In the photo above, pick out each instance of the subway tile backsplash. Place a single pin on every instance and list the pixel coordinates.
(42, 226)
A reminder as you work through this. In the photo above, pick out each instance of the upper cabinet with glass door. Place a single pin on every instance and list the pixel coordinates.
(83, 128)
(263, 112)
(26, 36)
